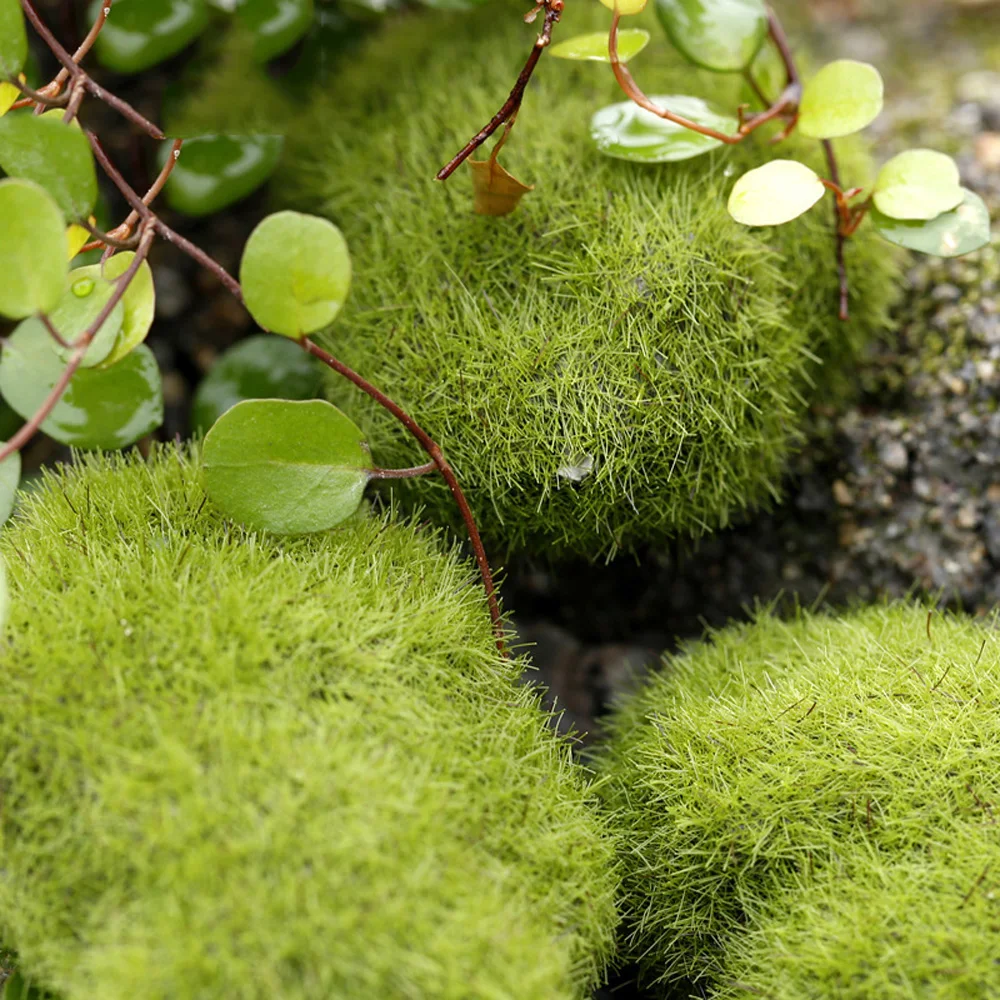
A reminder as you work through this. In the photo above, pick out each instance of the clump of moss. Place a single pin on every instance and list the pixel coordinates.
(618, 361)
(921, 929)
(240, 766)
(836, 751)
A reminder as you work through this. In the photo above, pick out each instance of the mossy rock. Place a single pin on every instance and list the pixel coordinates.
(771, 778)
(241, 766)
(921, 929)
(615, 363)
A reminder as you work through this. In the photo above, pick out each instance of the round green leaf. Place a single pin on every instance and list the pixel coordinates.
(842, 98)
(10, 479)
(627, 132)
(260, 367)
(276, 24)
(53, 154)
(138, 303)
(101, 408)
(952, 234)
(918, 184)
(287, 467)
(139, 34)
(32, 250)
(295, 272)
(214, 171)
(720, 35)
(83, 301)
(775, 193)
(594, 47)
(13, 38)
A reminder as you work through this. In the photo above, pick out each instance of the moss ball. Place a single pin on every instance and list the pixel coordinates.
(617, 362)
(777, 753)
(241, 766)
(921, 929)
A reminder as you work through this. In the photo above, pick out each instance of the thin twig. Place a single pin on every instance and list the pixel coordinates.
(845, 292)
(432, 449)
(553, 11)
(411, 473)
(53, 332)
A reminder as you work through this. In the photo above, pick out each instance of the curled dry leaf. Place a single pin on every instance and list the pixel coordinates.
(495, 190)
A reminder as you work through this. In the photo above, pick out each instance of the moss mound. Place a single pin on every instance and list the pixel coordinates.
(843, 752)
(235, 766)
(922, 929)
(618, 361)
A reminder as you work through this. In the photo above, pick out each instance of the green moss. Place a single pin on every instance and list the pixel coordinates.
(241, 766)
(921, 929)
(839, 749)
(618, 314)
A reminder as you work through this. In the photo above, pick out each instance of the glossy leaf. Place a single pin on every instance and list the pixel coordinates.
(720, 35)
(842, 98)
(594, 47)
(101, 408)
(775, 193)
(141, 33)
(260, 367)
(627, 7)
(295, 273)
(287, 467)
(10, 479)
(80, 306)
(918, 184)
(496, 191)
(276, 24)
(32, 249)
(214, 171)
(952, 234)
(627, 132)
(13, 38)
(53, 154)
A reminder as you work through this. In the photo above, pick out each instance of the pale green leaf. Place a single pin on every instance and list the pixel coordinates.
(951, 234)
(918, 184)
(13, 38)
(594, 47)
(286, 467)
(775, 193)
(842, 98)
(85, 298)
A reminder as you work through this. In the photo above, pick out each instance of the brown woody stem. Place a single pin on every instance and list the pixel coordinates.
(553, 11)
(845, 293)
(412, 473)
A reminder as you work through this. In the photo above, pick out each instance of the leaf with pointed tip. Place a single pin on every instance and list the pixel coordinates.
(138, 303)
(627, 132)
(53, 154)
(295, 273)
(495, 190)
(842, 98)
(720, 35)
(101, 408)
(952, 234)
(32, 249)
(286, 467)
(918, 184)
(8, 95)
(260, 367)
(594, 47)
(775, 193)
(13, 38)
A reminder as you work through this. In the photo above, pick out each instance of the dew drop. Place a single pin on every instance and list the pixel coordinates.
(82, 287)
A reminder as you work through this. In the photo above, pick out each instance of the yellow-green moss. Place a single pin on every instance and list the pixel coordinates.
(771, 780)
(618, 318)
(239, 766)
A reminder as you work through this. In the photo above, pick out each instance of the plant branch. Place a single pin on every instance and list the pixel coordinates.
(412, 473)
(432, 449)
(507, 113)
(845, 292)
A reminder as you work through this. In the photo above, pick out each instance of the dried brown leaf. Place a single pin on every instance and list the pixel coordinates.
(495, 190)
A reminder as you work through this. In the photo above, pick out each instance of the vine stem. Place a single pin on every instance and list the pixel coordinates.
(434, 451)
(508, 112)
(412, 473)
(845, 291)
